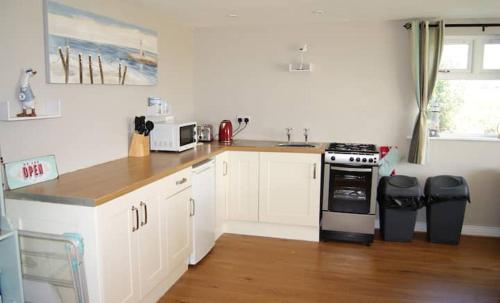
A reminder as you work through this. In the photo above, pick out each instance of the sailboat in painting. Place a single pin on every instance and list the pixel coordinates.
(142, 58)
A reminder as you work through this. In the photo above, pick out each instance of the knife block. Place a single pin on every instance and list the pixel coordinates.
(139, 146)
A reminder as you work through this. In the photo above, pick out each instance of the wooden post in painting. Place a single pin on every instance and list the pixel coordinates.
(65, 62)
(91, 72)
(100, 68)
(119, 73)
(66, 72)
(80, 67)
(124, 74)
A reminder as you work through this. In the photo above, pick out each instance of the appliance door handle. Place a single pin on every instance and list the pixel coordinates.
(192, 211)
(224, 168)
(314, 170)
(181, 181)
(354, 169)
(136, 226)
(204, 169)
(145, 206)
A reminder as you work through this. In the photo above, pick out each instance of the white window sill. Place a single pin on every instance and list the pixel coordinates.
(459, 138)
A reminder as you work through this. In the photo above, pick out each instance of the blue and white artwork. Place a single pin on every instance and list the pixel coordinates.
(86, 48)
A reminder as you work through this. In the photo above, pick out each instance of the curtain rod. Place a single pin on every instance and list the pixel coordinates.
(482, 25)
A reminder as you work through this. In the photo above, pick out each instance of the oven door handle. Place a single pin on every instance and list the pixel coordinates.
(353, 169)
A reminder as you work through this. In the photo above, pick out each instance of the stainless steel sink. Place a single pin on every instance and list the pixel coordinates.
(295, 144)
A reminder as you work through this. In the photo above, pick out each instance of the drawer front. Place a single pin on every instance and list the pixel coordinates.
(177, 182)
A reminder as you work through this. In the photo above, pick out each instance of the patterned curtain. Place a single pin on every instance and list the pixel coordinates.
(426, 48)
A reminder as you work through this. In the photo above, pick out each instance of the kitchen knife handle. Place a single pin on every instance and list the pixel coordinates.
(314, 171)
(136, 226)
(145, 213)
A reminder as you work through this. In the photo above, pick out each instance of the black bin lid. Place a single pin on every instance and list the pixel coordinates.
(446, 187)
(399, 186)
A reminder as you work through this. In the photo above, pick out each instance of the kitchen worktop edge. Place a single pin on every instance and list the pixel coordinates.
(104, 182)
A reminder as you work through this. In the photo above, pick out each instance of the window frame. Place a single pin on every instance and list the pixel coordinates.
(458, 41)
(490, 40)
(475, 71)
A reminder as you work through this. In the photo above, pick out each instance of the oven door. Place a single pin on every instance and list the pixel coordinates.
(348, 189)
(187, 134)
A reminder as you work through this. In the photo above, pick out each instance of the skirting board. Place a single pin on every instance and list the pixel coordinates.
(305, 233)
(470, 230)
(162, 288)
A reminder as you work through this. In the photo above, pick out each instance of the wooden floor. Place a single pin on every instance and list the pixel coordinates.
(254, 269)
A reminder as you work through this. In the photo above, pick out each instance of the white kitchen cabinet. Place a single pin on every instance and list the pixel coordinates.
(289, 188)
(179, 211)
(118, 251)
(152, 242)
(221, 192)
(143, 235)
(244, 186)
(133, 244)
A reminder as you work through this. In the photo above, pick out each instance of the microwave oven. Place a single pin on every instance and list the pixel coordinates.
(173, 136)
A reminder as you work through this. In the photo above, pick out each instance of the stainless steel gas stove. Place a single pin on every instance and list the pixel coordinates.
(350, 179)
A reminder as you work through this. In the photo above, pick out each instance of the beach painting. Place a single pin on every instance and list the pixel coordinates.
(85, 48)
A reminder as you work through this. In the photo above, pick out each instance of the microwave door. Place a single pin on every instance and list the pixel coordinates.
(187, 134)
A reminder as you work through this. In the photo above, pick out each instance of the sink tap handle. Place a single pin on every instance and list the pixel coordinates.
(289, 133)
(306, 134)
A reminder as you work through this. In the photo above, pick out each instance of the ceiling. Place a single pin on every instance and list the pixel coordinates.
(214, 13)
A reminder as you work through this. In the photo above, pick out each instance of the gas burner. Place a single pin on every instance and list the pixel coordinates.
(352, 148)
(352, 154)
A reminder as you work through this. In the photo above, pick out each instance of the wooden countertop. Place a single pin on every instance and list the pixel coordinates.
(104, 182)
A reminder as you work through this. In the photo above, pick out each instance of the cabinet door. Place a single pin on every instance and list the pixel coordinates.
(179, 228)
(221, 191)
(152, 242)
(117, 247)
(244, 186)
(290, 188)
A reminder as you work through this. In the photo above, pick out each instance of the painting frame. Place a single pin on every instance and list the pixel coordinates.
(83, 47)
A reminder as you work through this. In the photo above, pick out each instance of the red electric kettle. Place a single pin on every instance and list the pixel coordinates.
(225, 131)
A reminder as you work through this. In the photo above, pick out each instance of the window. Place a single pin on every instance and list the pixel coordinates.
(466, 99)
(491, 56)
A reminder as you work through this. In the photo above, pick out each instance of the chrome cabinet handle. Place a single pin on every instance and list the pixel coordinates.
(181, 181)
(136, 226)
(224, 168)
(145, 206)
(192, 211)
(314, 171)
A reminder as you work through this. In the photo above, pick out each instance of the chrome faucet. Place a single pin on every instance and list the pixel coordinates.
(306, 134)
(289, 133)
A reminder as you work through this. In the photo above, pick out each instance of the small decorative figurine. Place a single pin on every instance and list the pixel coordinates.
(26, 96)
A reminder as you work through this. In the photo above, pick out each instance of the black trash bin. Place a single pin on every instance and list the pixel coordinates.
(445, 197)
(399, 199)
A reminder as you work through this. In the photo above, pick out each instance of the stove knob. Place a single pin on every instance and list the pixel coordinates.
(364, 159)
(333, 158)
(351, 159)
(358, 159)
(370, 160)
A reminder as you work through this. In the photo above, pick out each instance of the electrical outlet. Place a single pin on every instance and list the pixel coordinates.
(243, 118)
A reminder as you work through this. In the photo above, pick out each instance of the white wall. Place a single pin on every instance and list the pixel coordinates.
(94, 127)
(359, 91)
